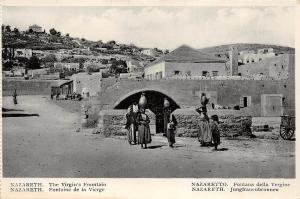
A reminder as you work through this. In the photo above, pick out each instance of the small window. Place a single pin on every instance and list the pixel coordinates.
(176, 72)
(284, 86)
(274, 64)
(247, 60)
(261, 73)
(281, 66)
(204, 73)
(252, 60)
(260, 59)
(240, 74)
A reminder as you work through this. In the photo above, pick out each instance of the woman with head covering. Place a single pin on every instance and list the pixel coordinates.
(130, 125)
(205, 135)
(214, 127)
(143, 121)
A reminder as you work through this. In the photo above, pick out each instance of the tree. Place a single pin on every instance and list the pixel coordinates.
(83, 39)
(16, 30)
(111, 42)
(34, 63)
(67, 35)
(53, 31)
(7, 28)
(49, 58)
(58, 34)
(30, 30)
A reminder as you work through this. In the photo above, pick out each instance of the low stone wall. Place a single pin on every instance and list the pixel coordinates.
(111, 122)
(230, 125)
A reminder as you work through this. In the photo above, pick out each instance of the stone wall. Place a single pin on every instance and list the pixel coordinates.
(111, 123)
(232, 123)
(26, 87)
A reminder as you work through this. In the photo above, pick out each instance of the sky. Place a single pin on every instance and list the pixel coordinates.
(163, 27)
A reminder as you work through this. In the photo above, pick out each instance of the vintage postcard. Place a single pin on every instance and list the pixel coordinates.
(149, 99)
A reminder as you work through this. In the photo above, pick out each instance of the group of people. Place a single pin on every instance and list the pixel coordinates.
(137, 124)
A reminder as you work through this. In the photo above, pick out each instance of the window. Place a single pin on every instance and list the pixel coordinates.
(215, 73)
(245, 101)
(176, 72)
(252, 60)
(260, 59)
(204, 73)
(247, 61)
(261, 73)
(281, 66)
(240, 74)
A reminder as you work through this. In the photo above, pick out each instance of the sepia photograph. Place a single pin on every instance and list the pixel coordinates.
(148, 92)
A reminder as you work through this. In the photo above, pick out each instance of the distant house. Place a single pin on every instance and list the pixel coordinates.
(36, 28)
(38, 72)
(69, 66)
(62, 87)
(18, 71)
(151, 52)
(87, 84)
(27, 53)
(186, 61)
(134, 66)
(247, 57)
(275, 68)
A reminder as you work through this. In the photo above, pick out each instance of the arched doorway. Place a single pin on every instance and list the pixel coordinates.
(155, 101)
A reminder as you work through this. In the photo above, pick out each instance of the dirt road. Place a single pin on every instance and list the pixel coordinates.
(49, 146)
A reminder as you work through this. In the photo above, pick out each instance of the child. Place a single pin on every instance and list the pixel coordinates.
(214, 127)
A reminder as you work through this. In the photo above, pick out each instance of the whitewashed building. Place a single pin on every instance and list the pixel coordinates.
(69, 66)
(186, 61)
(26, 53)
(36, 28)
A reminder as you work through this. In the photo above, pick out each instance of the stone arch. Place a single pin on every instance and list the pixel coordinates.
(134, 96)
(155, 99)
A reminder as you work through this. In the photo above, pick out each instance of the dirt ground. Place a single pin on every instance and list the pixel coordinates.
(49, 146)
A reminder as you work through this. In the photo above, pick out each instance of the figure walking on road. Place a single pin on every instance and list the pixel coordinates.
(15, 97)
(214, 127)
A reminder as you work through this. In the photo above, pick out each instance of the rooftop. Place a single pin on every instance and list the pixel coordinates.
(188, 54)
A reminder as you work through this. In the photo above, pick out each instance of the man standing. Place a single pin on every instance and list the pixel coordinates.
(204, 101)
(166, 115)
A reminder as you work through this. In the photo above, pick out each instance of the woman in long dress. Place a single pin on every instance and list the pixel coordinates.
(214, 126)
(143, 128)
(171, 128)
(205, 134)
(131, 126)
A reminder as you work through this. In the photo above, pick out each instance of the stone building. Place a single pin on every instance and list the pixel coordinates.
(36, 28)
(186, 61)
(274, 68)
(27, 53)
(134, 66)
(246, 57)
(69, 66)
(87, 84)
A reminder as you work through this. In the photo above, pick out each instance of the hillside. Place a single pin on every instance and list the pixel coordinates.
(247, 46)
